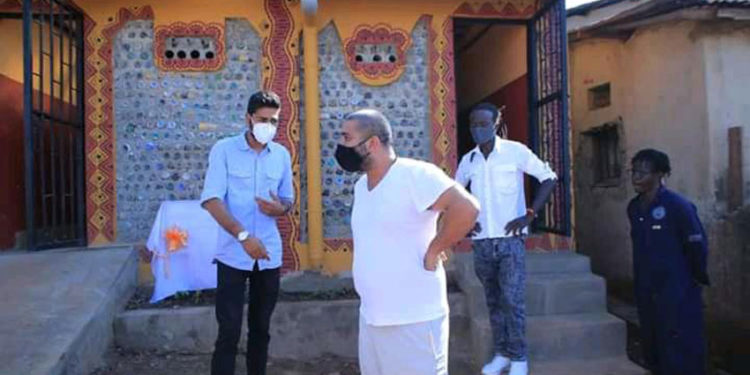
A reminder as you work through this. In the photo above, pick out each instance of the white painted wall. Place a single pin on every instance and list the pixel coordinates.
(727, 56)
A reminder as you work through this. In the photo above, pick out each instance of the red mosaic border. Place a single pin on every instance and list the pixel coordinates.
(443, 97)
(495, 9)
(283, 70)
(380, 33)
(335, 245)
(198, 29)
(101, 199)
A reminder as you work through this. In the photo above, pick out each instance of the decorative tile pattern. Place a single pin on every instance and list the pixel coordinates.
(497, 9)
(101, 201)
(189, 47)
(167, 122)
(281, 72)
(377, 52)
(405, 102)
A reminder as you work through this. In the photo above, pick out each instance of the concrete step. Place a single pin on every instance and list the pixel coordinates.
(561, 293)
(461, 265)
(602, 366)
(561, 337)
(302, 330)
(549, 294)
(557, 262)
(58, 307)
(575, 336)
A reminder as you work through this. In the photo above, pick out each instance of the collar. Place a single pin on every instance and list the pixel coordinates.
(659, 198)
(242, 144)
(476, 151)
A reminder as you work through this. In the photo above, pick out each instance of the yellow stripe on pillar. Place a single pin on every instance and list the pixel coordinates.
(312, 135)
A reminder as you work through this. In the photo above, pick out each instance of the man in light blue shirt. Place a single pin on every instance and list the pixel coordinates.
(248, 185)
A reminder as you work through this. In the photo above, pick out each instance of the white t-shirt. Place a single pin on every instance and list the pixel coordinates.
(392, 227)
(497, 183)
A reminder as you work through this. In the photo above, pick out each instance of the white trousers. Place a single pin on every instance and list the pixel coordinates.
(408, 349)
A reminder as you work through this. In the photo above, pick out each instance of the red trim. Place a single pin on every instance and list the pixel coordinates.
(283, 69)
(101, 198)
(380, 33)
(494, 9)
(198, 29)
(443, 91)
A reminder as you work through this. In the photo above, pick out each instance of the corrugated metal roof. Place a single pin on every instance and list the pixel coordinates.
(741, 3)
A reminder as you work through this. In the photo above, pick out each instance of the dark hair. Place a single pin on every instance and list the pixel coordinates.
(263, 99)
(485, 106)
(659, 161)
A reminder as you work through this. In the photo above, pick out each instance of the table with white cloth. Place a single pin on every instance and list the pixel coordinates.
(190, 267)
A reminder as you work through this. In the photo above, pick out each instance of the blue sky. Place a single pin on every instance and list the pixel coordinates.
(574, 3)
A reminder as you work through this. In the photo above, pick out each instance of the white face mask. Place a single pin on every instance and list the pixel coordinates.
(264, 132)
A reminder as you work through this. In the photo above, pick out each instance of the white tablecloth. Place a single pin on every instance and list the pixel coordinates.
(190, 268)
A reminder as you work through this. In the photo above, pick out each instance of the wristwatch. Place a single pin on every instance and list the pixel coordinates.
(242, 235)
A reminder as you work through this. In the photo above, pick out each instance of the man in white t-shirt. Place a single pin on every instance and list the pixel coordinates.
(398, 249)
(494, 171)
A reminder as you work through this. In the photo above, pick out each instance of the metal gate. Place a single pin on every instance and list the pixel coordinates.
(548, 104)
(54, 124)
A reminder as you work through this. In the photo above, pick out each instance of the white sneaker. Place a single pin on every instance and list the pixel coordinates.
(496, 366)
(519, 368)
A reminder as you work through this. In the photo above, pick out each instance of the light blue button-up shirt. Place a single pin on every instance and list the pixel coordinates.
(237, 175)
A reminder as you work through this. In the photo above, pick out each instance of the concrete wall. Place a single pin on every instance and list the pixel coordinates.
(678, 87)
(658, 93)
(727, 53)
(11, 38)
(495, 60)
(11, 133)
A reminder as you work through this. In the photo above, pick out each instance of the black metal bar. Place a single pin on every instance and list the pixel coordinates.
(80, 203)
(533, 76)
(57, 120)
(41, 132)
(11, 15)
(69, 64)
(567, 199)
(61, 171)
(50, 123)
(28, 91)
(71, 183)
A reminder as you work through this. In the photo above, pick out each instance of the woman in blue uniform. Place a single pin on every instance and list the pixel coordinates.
(669, 267)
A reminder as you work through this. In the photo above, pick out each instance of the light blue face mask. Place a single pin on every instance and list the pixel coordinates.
(482, 134)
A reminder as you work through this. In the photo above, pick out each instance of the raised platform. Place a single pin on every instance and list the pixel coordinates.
(58, 307)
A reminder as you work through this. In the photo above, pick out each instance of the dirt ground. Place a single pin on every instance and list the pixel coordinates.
(121, 362)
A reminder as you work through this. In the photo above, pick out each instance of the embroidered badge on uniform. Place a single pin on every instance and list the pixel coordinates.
(659, 213)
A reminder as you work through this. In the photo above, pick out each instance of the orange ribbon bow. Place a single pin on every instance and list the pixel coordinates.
(176, 239)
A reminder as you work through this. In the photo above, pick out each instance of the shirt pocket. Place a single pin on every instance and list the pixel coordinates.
(271, 183)
(240, 177)
(505, 178)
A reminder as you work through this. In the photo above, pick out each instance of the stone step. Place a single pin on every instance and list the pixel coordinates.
(575, 336)
(561, 337)
(461, 265)
(301, 330)
(557, 262)
(548, 294)
(59, 306)
(602, 366)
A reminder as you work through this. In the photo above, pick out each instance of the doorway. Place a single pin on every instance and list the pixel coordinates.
(491, 66)
(53, 124)
(521, 65)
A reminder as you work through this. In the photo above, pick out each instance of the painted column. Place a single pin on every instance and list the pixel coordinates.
(312, 135)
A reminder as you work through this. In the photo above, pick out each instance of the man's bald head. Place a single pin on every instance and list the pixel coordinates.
(372, 123)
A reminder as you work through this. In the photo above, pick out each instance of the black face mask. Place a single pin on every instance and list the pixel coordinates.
(349, 159)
